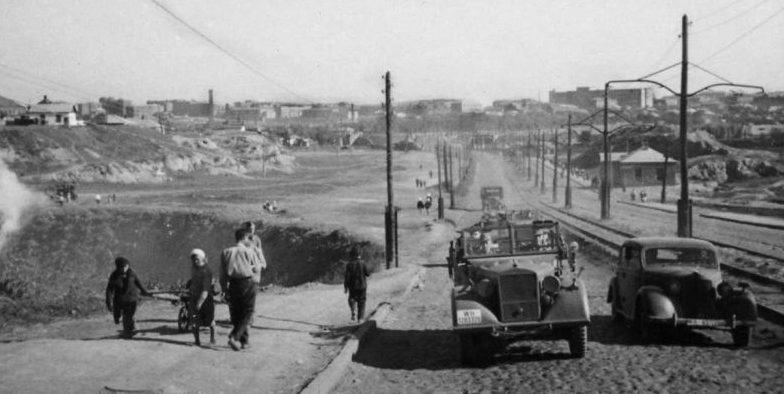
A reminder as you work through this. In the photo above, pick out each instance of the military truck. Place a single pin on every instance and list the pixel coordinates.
(515, 280)
(492, 198)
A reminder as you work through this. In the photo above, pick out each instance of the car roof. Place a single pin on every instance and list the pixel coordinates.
(677, 242)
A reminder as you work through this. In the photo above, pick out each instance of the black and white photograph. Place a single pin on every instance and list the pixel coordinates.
(410, 196)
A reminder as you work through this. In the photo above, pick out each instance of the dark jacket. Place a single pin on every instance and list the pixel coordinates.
(356, 275)
(124, 287)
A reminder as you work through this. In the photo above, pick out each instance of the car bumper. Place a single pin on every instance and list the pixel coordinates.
(523, 328)
(701, 323)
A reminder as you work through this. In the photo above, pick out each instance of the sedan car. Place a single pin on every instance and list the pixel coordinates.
(668, 282)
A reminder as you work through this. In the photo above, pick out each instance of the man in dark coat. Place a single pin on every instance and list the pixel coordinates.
(122, 294)
(355, 284)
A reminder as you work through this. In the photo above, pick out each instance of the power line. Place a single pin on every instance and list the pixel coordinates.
(666, 52)
(32, 81)
(755, 6)
(717, 11)
(711, 73)
(742, 36)
(226, 51)
(71, 89)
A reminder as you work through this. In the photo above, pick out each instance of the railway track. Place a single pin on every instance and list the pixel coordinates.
(610, 239)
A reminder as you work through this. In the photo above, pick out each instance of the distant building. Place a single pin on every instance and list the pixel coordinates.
(642, 167)
(586, 98)
(88, 110)
(147, 111)
(10, 109)
(47, 112)
(290, 111)
(759, 130)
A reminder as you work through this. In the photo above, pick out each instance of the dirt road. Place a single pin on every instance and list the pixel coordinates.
(295, 333)
(415, 351)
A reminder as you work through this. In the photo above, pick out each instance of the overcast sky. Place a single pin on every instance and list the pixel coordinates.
(327, 50)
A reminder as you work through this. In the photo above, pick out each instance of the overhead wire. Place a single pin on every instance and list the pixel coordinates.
(69, 88)
(710, 72)
(718, 11)
(743, 35)
(34, 82)
(755, 6)
(226, 51)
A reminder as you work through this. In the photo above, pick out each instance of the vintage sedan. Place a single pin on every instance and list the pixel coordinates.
(668, 282)
(515, 278)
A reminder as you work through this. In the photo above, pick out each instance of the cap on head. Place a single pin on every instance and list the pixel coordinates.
(198, 252)
(120, 262)
(353, 254)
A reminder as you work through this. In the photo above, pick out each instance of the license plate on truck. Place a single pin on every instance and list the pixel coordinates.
(469, 316)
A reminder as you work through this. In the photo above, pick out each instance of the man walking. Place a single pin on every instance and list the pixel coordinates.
(355, 284)
(122, 294)
(240, 268)
(202, 304)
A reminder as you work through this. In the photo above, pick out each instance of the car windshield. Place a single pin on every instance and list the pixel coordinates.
(681, 256)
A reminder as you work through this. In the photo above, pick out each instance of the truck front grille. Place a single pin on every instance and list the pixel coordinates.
(519, 297)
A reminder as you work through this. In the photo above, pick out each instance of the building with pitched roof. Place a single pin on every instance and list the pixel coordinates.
(642, 167)
(10, 108)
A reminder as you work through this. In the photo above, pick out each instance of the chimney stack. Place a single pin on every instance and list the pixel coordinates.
(211, 107)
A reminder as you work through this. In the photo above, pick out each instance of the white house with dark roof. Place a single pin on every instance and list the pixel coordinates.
(642, 167)
(51, 113)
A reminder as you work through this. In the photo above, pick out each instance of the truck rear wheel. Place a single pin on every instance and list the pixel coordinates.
(578, 341)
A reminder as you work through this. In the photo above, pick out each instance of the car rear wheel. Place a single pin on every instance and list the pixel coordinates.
(741, 336)
(578, 341)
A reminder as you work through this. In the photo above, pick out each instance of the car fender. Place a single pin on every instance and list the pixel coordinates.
(571, 304)
(467, 304)
(741, 304)
(655, 302)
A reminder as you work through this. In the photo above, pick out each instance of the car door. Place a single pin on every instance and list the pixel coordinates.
(629, 278)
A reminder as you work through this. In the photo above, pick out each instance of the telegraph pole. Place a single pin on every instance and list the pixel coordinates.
(440, 207)
(568, 191)
(664, 171)
(528, 155)
(605, 193)
(452, 181)
(684, 206)
(543, 187)
(388, 225)
(555, 167)
(538, 152)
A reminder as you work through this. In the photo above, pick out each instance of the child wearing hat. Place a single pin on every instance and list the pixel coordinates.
(122, 295)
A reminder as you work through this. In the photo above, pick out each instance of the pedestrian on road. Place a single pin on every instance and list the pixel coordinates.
(240, 265)
(97, 199)
(255, 243)
(355, 284)
(202, 288)
(420, 205)
(122, 294)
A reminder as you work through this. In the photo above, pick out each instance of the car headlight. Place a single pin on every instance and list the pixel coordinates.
(724, 289)
(551, 284)
(674, 287)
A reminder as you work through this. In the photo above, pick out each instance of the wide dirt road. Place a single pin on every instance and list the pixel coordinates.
(415, 351)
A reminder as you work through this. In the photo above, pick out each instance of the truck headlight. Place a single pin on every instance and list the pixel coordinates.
(724, 289)
(551, 284)
(485, 288)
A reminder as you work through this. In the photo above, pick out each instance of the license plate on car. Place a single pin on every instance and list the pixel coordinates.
(704, 322)
(469, 316)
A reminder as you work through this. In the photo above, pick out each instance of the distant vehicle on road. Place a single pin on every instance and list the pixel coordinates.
(666, 282)
(510, 284)
(492, 198)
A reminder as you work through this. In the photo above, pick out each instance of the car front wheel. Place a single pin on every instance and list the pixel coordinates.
(578, 341)
(741, 336)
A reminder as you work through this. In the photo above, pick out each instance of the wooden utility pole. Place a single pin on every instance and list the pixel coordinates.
(664, 172)
(528, 155)
(389, 213)
(684, 205)
(538, 153)
(543, 186)
(555, 166)
(451, 181)
(440, 208)
(568, 191)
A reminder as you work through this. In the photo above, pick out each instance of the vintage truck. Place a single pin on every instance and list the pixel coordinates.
(515, 279)
(492, 198)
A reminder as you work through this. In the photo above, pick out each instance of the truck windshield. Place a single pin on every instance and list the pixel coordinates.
(681, 256)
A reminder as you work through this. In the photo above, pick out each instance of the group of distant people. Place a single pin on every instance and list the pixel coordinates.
(420, 183)
(238, 282)
(642, 194)
(110, 199)
(424, 206)
(270, 206)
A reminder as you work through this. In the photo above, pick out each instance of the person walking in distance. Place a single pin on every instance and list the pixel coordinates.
(240, 265)
(202, 305)
(355, 284)
(122, 294)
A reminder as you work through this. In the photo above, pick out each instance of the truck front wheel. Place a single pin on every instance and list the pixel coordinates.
(578, 341)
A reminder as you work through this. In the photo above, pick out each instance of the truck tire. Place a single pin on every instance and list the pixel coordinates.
(578, 341)
(741, 336)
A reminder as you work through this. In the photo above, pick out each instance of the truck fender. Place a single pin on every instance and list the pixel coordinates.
(655, 302)
(466, 304)
(571, 304)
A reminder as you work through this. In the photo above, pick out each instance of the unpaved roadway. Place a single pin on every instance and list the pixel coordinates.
(415, 351)
(296, 331)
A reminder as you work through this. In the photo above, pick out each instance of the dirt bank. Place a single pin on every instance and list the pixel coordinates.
(59, 262)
